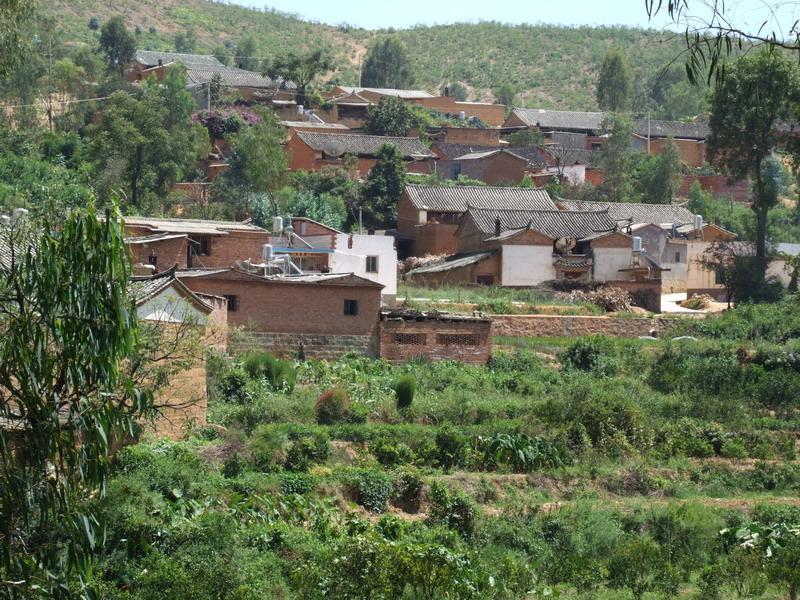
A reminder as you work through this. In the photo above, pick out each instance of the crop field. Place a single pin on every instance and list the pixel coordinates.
(571, 468)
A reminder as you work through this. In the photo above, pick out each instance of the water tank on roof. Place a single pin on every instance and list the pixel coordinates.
(300, 109)
(462, 115)
(266, 252)
(637, 243)
(277, 225)
(698, 222)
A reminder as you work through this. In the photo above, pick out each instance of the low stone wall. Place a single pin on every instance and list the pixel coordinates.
(569, 326)
(328, 347)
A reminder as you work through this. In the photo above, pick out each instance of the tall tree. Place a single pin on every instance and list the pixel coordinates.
(659, 177)
(142, 145)
(614, 84)
(302, 69)
(247, 54)
(387, 65)
(117, 44)
(616, 156)
(186, 41)
(257, 166)
(222, 55)
(391, 116)
(385, 182)
(15, 17)
(758, 92)
(66, 329)
(506, 94)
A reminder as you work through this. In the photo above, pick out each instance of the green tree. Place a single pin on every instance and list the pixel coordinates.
(387, 65)
(247, 54)
(257, 165)
(757, 93)
(325, 208)
(142, 145)
(659, 177)
(506, 94)
(391, 116)
(456, 90)
(222, 55)
(117, 44)
(616, 156)
(186, 41)
(614, 84)
(385, 182)
(67, 328)
(15, 18)
(302, 69)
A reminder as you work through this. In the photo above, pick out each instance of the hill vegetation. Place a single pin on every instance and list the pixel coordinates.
(550, 66)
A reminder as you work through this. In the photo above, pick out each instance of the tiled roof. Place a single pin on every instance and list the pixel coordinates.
(234, 77)
(552, 223)
(534, 156)
(310, 124)
(634, 212)
(559, 119)
(406, 94)
(190, 61)
(675, 129)
(345, 279)
(142, 289)
(458, 197)
(337, 144)
(573, 262)
(197, 226)
(453, 262)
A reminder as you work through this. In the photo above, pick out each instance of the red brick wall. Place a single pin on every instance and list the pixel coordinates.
(303, 158)
(427, 338)
(693, 153)
(497, 169)
(594, 176)
(471, 135)
(718, 186)
(294, 308)
(491, 114)
(407, 216)
(436, 238)
(168, 253)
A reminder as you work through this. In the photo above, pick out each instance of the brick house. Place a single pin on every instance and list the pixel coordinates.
(408, 334)
(522, 248)
(498, 166)
(190, 243)
(202, 68)
(350, 105)
(325, 314)
(311, 151)
(428, 216)
(178, 314)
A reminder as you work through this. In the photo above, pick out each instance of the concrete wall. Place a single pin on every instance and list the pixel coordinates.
(569, 326)
(609, 261)
(469, 341)
(351, 257)
(527, 265)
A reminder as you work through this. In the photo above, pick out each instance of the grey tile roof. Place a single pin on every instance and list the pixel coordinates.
(337, 144)
(534, 156)
(675, 129)
(344, 279)
(453, 262)
(559, 119)
(574, 262)
(634, 212)
(458, 197)
(234, 77)
(150, 58)
(552, 223)
(407, 94)
(592, 122)
(198, 226)
(566, 156)
(141, 289)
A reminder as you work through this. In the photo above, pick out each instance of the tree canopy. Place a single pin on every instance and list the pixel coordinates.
(614, 84)
(385, 183)
(387, 65)
(117, 44)
(391, 116)
(302, 69)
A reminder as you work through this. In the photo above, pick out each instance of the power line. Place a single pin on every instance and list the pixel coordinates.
(57, 102)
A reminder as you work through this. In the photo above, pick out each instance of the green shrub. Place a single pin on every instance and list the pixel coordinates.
(372, 486)
(589, 354)
(232, 386)
(279, 373)
(296, 483)
(233, 466)
(452, 509)
(404, 391)
(390, 453)
(451, 447)
(520, 452)
(333, 407)
(306, 449)
(407, 490)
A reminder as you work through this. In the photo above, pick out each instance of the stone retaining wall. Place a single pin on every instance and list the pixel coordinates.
(566, 326)
(328, 347)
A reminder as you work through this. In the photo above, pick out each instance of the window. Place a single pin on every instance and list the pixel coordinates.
(351, 307)
(677, 257)
(153, 259)
(410, 339)
(485, 279)
(719, 276)
(456, 339)
(372, 264)
(233, 302)
(202, 244)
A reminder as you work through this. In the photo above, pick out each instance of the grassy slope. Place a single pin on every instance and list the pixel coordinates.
(555, 65)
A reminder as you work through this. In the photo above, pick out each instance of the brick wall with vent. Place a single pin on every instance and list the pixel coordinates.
(469, 341)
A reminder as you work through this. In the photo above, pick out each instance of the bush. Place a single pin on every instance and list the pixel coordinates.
(232, 386)
(372, 486)
(452, 509)
(404, 391)
(589, 354)
(390, 453)
(407, 491)
(279, 373)
(520, 452)
(333, 407)
(233, 466)
(296, 483)
(451, 447)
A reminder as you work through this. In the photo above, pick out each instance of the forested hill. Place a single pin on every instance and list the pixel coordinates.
(554, 66)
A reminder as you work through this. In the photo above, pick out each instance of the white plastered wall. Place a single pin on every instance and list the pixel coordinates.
(527, 265)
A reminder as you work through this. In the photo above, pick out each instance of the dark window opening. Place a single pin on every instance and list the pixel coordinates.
(153, 260)
(202, 245)
(456, 339)
(233, 302)
(351, 307)
(677, 257)
(719, 276)
(372, 264)
(485, 279)
(410, 339)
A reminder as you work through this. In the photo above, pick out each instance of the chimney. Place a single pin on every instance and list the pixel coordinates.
(497, 226)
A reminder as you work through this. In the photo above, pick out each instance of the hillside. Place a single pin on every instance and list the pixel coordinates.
(554, 66)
